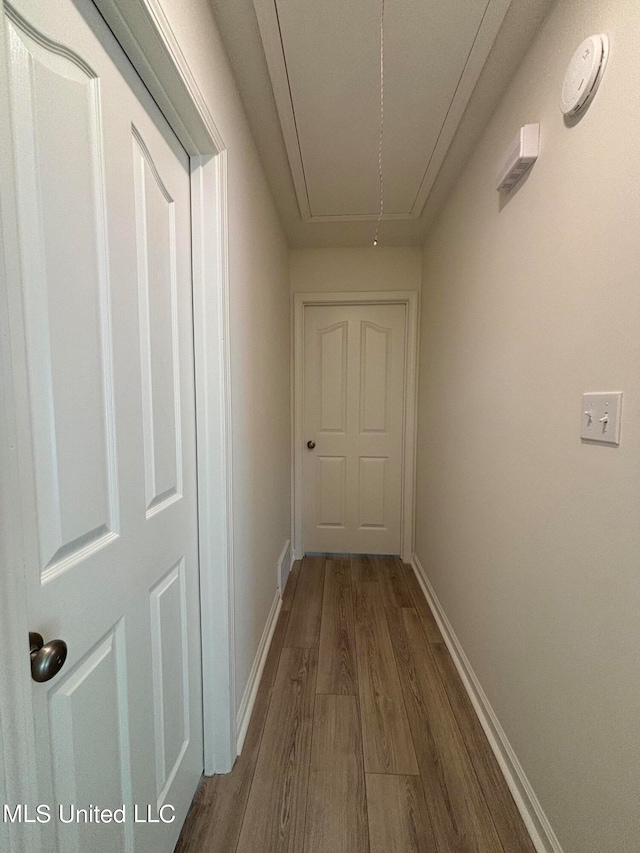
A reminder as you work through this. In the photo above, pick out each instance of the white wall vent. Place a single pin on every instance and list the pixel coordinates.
(520, 157)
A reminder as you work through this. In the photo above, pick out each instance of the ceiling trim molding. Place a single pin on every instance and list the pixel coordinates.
(485, 37)
(270, 33)
(360, 217)
(269, 27)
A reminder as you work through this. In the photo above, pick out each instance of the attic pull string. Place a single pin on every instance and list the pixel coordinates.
(375, 238)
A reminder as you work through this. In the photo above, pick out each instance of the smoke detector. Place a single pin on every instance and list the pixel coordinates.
(584, 74)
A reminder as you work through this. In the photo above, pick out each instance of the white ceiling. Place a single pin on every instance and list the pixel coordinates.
(309, 75)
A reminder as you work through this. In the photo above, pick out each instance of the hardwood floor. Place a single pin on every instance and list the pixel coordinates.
(362, 738)
(275, 815)
(388, 746)
(336, 800)
(337, 660)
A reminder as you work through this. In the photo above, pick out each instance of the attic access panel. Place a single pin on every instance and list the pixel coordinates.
(324, 64)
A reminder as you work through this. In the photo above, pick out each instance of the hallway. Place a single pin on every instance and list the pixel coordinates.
(362, 736)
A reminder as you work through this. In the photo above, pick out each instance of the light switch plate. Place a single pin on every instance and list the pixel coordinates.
(601, 417)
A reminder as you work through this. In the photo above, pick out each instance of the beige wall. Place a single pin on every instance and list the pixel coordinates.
(531, 538)
(259, 307)
(336, 270)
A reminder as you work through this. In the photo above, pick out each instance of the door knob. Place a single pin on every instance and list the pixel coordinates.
(46, 659)
(311, 445)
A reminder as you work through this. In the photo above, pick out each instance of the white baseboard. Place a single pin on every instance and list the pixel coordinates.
(284, 565)
(537, 823)
(248, 700)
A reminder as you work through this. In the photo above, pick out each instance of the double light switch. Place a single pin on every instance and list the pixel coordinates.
(601, 417)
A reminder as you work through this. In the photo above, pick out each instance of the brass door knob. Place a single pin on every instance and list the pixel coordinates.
(47, 659)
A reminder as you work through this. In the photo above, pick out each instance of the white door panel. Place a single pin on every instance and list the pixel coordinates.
(108, 482)
(354, 381)
(157, 300)
(97, 690)
(65, 262)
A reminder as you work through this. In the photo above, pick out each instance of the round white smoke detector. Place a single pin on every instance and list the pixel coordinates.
(584, 74)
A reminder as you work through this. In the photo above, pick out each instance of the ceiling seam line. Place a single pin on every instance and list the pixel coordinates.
(453, 97)
(293, 112)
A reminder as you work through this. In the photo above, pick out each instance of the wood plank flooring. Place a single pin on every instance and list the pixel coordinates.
(336, 801)
(388, 746)
(362, 738)
(337, 663)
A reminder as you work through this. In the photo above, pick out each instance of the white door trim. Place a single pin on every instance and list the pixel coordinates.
(147, 38)
(214, 457)
(409, 298)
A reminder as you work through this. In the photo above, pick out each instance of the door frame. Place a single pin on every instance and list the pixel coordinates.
(411, 300)
(145, 34)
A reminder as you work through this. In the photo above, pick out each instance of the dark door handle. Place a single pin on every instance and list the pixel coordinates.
(46, 659)
(311, 445)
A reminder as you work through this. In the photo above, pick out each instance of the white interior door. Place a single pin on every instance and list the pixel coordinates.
(107, 451)
(353, 415)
